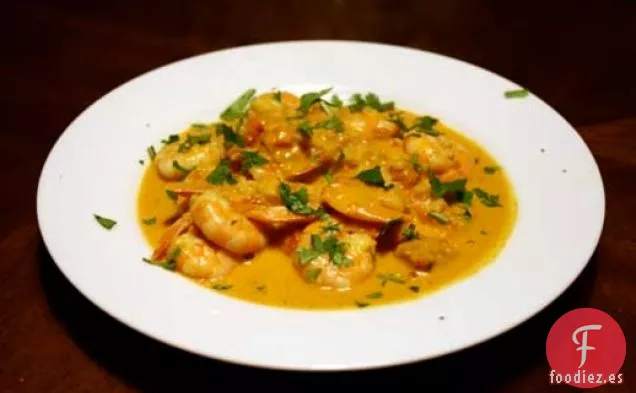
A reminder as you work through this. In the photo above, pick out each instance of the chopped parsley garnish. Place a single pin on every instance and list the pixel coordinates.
(336, 101)
(373, 177)
(197, 125)
(150, 221)
(410, 233)
(222, 287)
(170, 263)
(305, 129)
(328, 176)
(440, 188)
(361, 304)
(334, 123)
(333, 227)
(252, 159)
(141, 162)
(277, 96)
(308, 99)
(426, 125)
(194, 140)
(152, 153)
(371, 100)
(397, 120)
(489, 170)
(414, 288)
(313, 273)
(181, 169)
(392, 277)
(483, 233)
(519, 93)
(238, 108)
(222, 174)
(329, 245)
(230, 137)
(296, 202)
(486, 198)
(414, 160)
(439, 217)
(171, 139)
(375, 295)
(172, 195)
(105, 222)
(261, 288)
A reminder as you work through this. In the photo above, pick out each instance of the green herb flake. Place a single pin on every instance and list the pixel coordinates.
(410, 233)
(439, 217)
(222, 287)
(141, 162)
(396, 278)
(373, 101)
(222, 174)
(518, 93)
(308, 99)
(149, 221)
(296, 202)
(238, 108)
(198, 125)
(486, 198)
(170, 263)
(426, 125)
(483, 233)
(261, 288)
(230, 137)
(152, 153)
(312, 274)
(440, 188)
(336, 101)
(375, 295)
(277, 97)
(171, 139)
(415, 288)
(489, 170)
(307, 255)
(333, 227)
(357, 103)
(373, 177)
(172, 195)
(466, 197)
(105, 222)
(200, 139)
(361, 304)
(414, 160)
(305, 129)
(252, 159)
(181, 169)
(328, 177)
(334, 123)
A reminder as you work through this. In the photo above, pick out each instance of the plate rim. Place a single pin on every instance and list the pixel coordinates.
(590, 249)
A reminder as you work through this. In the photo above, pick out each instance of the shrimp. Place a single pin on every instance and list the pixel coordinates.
(440, 154)
(224, 226)
(194, 149)
(193, 256)
(334, 258)
(362, 202)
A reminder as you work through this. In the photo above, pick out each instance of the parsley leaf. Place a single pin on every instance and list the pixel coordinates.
(105, 222)
(519, 93)
(415, 163)
(374, 177)
(308, 99)
(172, 195)
(361, 304)
(333, 227)
(171, 139)
(409, 233)
(305, 129)
(414, 288)
(252, 159)
(426, 125)
(486, 198)
(221, 174)
(152, 153)
(312, 274)
(440, 188)
(328, 177)
(375, 295)
(392, 277)
(229, 136)
(150, 221)
(307, 255)
(170, 263)
(277, 96)
(297, 201)
(238, 108)
(439, 217)
(334, 123)
(336, 101)
(357, 103)
(222, 287)
(373, 101)
(489, 170)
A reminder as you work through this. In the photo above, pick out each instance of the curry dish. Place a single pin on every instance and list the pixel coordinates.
(311, 202)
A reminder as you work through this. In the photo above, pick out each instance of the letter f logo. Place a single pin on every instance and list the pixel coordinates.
(584, 347)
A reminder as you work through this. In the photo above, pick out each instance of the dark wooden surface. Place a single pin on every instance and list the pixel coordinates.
(59, 56)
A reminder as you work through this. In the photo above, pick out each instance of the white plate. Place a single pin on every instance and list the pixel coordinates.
(93, 168)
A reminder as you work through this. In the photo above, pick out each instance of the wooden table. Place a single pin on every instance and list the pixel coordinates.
(580, 56)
